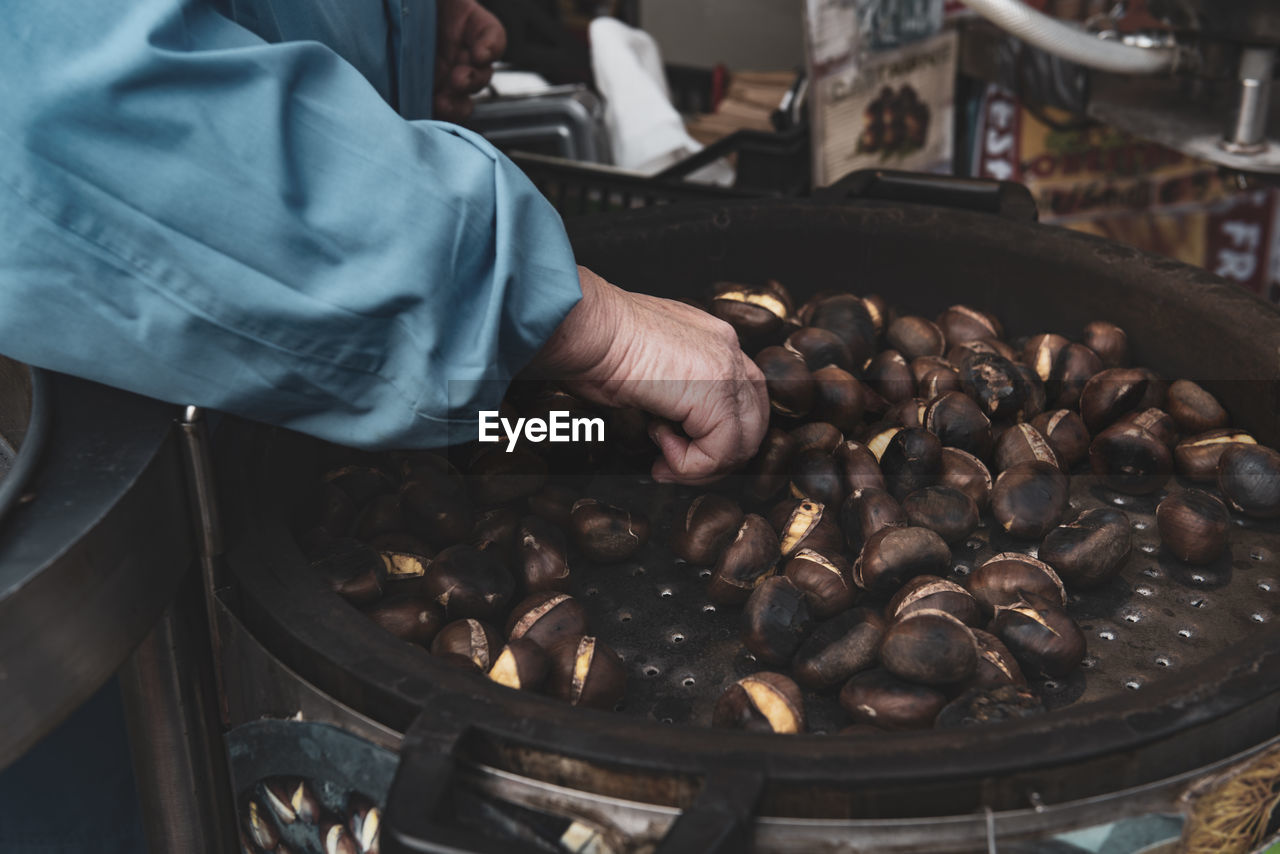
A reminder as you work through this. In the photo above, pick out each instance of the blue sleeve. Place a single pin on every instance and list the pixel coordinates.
(193, 214)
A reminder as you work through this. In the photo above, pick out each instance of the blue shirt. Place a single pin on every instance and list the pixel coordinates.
(234, 215)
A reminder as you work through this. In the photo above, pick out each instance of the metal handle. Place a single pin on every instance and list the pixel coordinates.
(1006, 199)
(719, 821)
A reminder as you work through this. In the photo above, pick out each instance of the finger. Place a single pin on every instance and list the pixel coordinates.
(480, 78)
(461, 78)
(485, 36)
(688, 461)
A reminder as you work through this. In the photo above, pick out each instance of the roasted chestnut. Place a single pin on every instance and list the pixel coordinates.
(468, 582)
(380, 516)
(1074, 367)
(471, 639)
(912, 460)
(500, 476)
(996, 665)
(522, 665)
(761, 702)
(361, 482)
(1091, 549)
(352, 569)
(922, 366)
(291, 800)
(840, 398)
(960, 323)
(1110, 394)
(996, 384)
(848, 317)
(1131, 460)
(1249, 476)
(756, 314)
(824, 579)
(819, 348)
(745, 562)
(1197, 458)
(435, 505)
(914, 337)
(586, 672)
(1193, 526)
(986, 346)
(878, 436)
(1044, 640)
(1157, 422)
(929, 647)
(815, 475)
(879, 698)
(710, 523)
(805, 524)
(792, 389)
(979, 706)
(906, 413)
(1034, 398)
(1108, 341)
(958, 423)
(337, 840)
(839, 648)
(331, 509)
(1029, 499)
(931, 593)
(769, 471)
(819, 436)
(1003, 578)
(949, 512)
(260, 827)
(879, 311)
(890, 376)
(1065, 432)
(938, 381)
(608, 534)
(547, 618)
(1041, 353)
(859, 467)
(364, 820)
(1023, 443)
(554, 503)
(893, 556)
(776, 619)
(1194, 409)
(541, 556)
(410, 618)
(867, 511)
(965, 472)
(495, 531)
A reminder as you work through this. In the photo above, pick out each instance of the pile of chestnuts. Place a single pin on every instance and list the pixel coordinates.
(288, 808)
(893, 438)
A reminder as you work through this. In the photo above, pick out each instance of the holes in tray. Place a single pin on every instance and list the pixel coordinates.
(1107, 634)
(637, 571)
(688, 681)
(1133, 683)
(1144, 590)
(624, 616)
(961, 569)
(1258, 617)
(651, 670)
(677, 638)
(591, 591)
(666, 592)
(1185, 632)
(1148, 548)
(1151, 572)
(1199, 603)
(1141, 524)
(1088, 662)
(1164, 661)
(1133, 617)
(708, 608)
(1266, 585)
(704, 574)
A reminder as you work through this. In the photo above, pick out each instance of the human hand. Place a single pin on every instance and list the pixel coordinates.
(672, 360)
(469, 39)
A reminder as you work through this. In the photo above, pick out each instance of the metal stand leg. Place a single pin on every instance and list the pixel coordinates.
(178, 757)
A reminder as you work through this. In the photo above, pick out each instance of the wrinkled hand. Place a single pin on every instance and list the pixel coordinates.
(624, 349)
(469, 39)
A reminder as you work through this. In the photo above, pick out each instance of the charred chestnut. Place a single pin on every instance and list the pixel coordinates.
(931, 593)
(979, 706)
(1090, 550)
(1111, 394)
(522, 665)
(840, 398)
(824, 579)
(907, 413)
(805, 524)
(745, 562)
(1195, 409)
(868, 511)
(848, 317)
(1065, 432)
(608, 534)
(965, 472)
(879, 698)
(1193, 526)
(819, 348)
(960, 323)
(1044, 640)
(1034, 398)
(996, 665)
(352, 569)
(1108, 341)
(471, 639)
(468, 582)
(1003, 578)
(547, 618)
(859, 467)
(949, 512)
(996, 384)
(1029, 499)
(762, 702)
(839, 648)
(1197, 458)
(890, 376)
(929, 647)
(1249, 476)
(958, 423)
(709, 525)
(586, 672)
(986, 346)
(410, 618)
(1023, 443)
(541, 556)
(768, 472)
(912, 460)
(914, 337)
(1130, 460)
(893, 556)
(776, 619)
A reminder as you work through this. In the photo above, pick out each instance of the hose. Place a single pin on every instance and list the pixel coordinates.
(1059, 39)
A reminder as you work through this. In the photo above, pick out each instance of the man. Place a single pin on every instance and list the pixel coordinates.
(243, 205)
